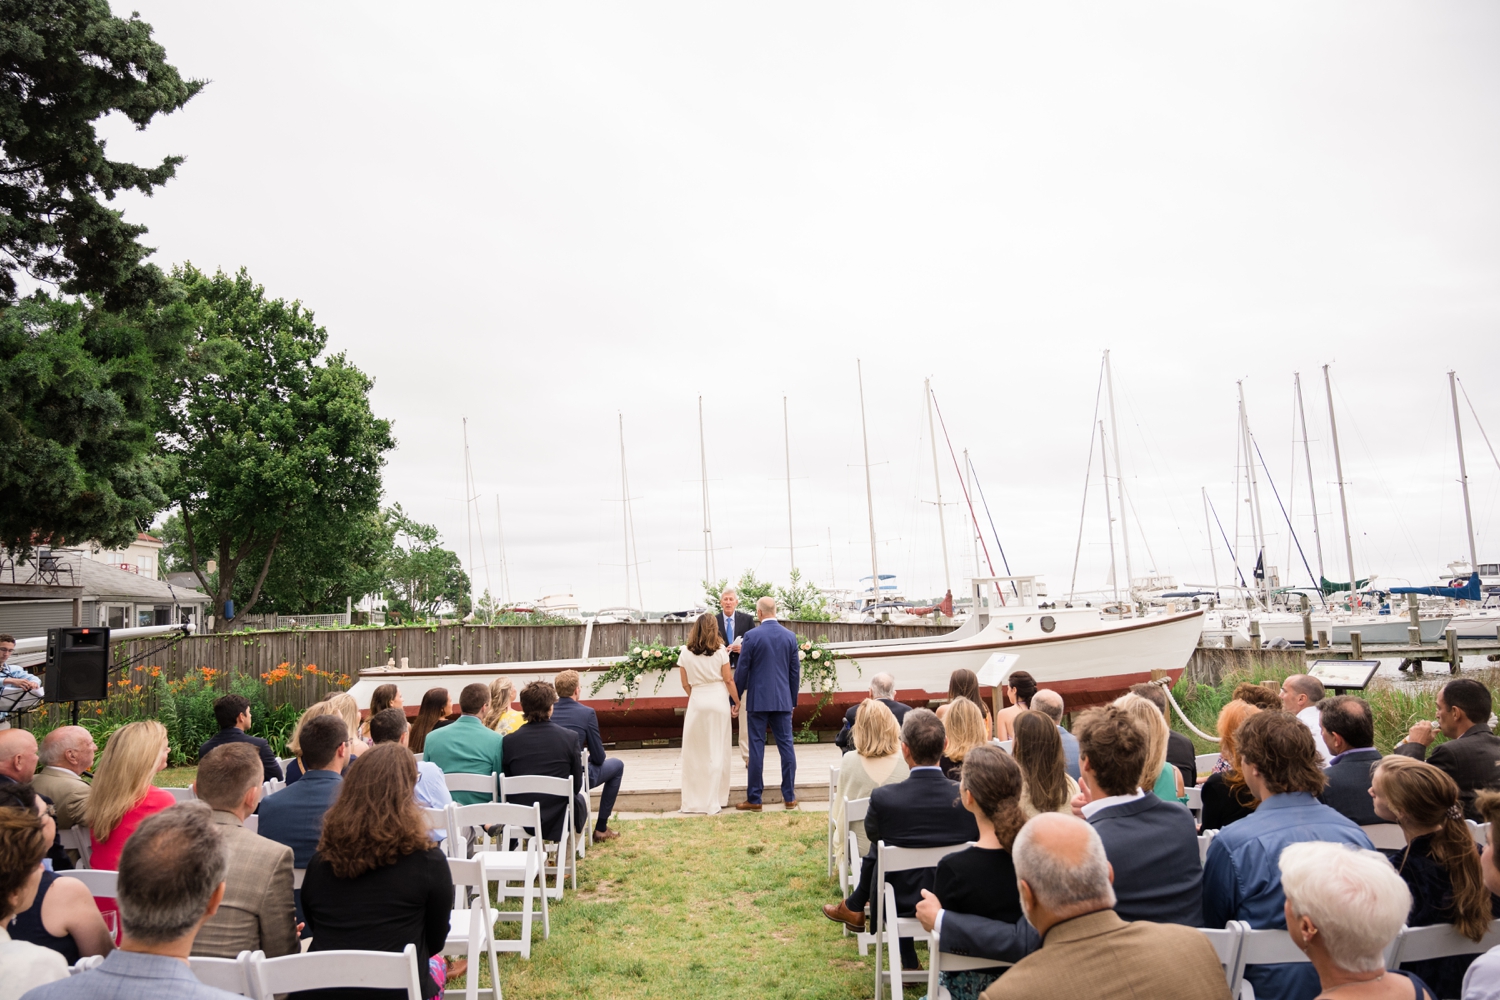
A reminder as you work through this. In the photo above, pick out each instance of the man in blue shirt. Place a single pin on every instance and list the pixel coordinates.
(12, 676)
(1241, 876)
(572, 714)
(294, 815)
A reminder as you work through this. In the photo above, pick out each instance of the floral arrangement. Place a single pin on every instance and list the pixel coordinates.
(643, 658)
(819, 674)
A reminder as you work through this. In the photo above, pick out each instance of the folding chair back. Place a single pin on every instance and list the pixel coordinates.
(581, 843)
(484, 784)
(232, 975)
(526, 867)
(101, 883)
(1206, 762)
(833, 824)
(1385, 836)
(1204, 840)
(181, 794)
(1438, 941)
(441, 819)
(320, 970)
(1005, 744)
(1226, 944)
(269, 788)
(252, 823)
(855, 811)
(1263, 948)
(887, 926)
(1195, 802)
(536, 784)
(1479, 831)
(298, 874)
(76, 838)
(284, 763)
(470, 925)
(85, 963)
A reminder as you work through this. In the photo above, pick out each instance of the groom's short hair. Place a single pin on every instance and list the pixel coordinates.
(922, 732)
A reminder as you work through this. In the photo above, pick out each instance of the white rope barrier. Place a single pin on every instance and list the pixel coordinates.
(1166, 685)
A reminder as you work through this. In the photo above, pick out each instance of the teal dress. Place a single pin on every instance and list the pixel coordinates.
(1166, 785)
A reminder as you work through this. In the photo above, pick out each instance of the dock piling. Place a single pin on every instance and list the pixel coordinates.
(1454, 659)
(1356, 647)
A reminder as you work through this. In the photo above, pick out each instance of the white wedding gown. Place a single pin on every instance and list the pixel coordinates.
(706, 733)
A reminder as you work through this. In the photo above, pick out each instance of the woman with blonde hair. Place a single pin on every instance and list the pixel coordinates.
(964, 728)
(1439, 864)
(122, 794)
(1160, 777)
(713, 700)
(327, 706)
(500, 716)
(346, 708)
(1038, 749)
(964, 683)
(875, 760)
(1226, 797)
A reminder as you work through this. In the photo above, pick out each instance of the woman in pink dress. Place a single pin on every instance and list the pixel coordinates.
(122, 794)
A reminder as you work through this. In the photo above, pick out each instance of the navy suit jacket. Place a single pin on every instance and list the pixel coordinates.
(1153, 846)
(233, 734)
(743, 623)
(1348, 788)
(769, 671)
(922, 811)
(547, 749)
(572, 714)
(294, 815)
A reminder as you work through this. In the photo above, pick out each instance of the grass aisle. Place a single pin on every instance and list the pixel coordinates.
(718, 907)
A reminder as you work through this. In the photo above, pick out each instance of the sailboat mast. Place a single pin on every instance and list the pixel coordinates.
(978, 570)
(786, 433)
(1257, 519)
(869, 490)
(1213, 560)
(1109, 381)
(937, 481)
(1338, 469)
(1463, 473)
(504, 562)
(471, 498)
(1109, 517)
(625, 509)
(1312, 490)
(709, 576)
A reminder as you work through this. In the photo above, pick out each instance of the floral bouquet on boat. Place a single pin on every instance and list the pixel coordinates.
(642, 658)
(820, 674)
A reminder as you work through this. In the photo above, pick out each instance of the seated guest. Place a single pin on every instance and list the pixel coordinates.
(980, 881)
(922, 811)
(171, 880)
(257, 912)
(1046, 786)
(1159, 777)
(467, 746)
(1089, 950)
(875, 760)
(1300, 695)
(501, 717)
(62, 915)
(1181, 753)
(23, 844)
(1349, 734)
(1240, 878)
(295, 769)
(18, 760)
(1438, 864)
(963, 729)
(122, 794)
(294, 815)
(232, 713)
(432, 714)
(345, 707)
(964, 683)
(378, 881)
(1482, 981)
(1471, 757)
(1258, 695)
(607, 771)
(67, 754)
(883, 690)
(1019, 688)
(1152, 843)
(1225, 797)
(1343, 908)
(383, 697)
(1050, 704)
(390, 726)
(544, 748)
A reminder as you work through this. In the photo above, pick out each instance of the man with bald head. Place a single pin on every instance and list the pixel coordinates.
(1301, 695)
(18, 756)
(770, 673)
(1087, 950)
(67, 754)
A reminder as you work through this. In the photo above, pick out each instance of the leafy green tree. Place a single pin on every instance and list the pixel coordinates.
(803, 602)
(267, 439)
(78, 456)
(64, 64)
(749, 588)
(422, 576)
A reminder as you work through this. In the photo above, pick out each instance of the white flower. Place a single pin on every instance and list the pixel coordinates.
(636, 651)
(800, 654)
(807, 645)
(817, 654)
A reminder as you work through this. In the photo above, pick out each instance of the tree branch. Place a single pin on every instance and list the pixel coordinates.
(266, 568)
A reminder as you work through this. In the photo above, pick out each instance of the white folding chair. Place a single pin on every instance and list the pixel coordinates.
(252, 823)
(887, 927)
(101, 884)
(1195, 802)
(939, 961)
(1262, 948)
(833, 825)
(1415, 944)
(1204, 839)
(1479, 831)
(1227, 942)
(484, 784)
(582, 842)
(298, 874)
(1385, 836)
(1005, 744)
(85, 963)
(268, 788)
(849, 857)
(76, 838)
(181, 794)
(441, 820)
(502, 866)
(231, 975)
(536, 784)
(470, 925)
(284, 763)
(319, 970)
(1204, 763)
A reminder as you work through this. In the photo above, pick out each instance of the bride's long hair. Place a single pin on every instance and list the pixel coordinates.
(704, 638)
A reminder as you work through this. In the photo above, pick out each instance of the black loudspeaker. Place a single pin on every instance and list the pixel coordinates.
(77, 664)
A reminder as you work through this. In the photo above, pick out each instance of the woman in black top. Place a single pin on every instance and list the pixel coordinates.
(378, 882)
(1226, 798)
(982, 879)
(1439, 863)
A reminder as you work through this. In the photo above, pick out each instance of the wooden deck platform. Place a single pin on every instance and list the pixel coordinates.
(653, 778)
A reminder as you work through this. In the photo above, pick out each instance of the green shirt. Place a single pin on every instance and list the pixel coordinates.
(465, 746)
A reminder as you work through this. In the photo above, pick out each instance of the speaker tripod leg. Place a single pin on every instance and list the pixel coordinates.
(75, 713)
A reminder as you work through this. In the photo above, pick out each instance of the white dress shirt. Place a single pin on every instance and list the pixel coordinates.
(1110, 800)
(1312, 718)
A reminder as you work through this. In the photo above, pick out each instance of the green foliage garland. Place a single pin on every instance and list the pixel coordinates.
(644, 658)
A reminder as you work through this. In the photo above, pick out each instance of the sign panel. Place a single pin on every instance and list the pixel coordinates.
(997, 668)
(1352, 674)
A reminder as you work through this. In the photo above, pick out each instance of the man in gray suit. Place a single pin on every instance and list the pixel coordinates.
(1349, 731)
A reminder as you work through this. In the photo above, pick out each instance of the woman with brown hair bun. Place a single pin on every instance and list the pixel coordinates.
(964, 683)
(713, 700)
(432, 714)
(1440, 863)
(378, 882)
(1039, 752)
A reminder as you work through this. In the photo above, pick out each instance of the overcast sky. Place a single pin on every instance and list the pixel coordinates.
(544, 216)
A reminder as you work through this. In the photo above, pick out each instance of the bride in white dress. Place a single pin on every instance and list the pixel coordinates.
(712, 703)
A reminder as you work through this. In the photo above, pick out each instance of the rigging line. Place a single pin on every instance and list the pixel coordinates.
(1087, 475)
(1164, 499)
(967, 499)
(1237, 571)
(1476, 421)
(1272, 483)
(1003, 561)
(1389, 494)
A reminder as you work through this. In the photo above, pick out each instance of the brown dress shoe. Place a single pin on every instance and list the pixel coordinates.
(457, 967)
(600, 836)
(791, 805)
(841, 914)
(748, 806)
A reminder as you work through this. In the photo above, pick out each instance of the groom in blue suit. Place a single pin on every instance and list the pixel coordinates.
(769, 673)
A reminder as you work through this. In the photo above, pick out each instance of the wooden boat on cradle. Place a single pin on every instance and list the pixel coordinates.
(1076, 652)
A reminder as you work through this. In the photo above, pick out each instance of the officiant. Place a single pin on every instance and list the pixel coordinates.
(733, 624)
